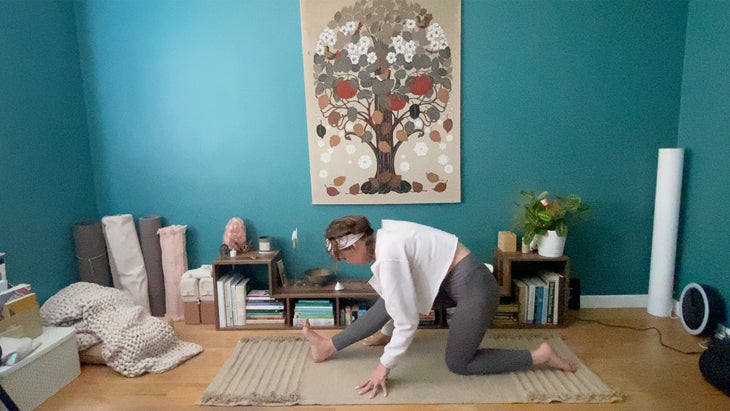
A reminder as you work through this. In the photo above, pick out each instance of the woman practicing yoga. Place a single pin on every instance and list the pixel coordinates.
(411, 263)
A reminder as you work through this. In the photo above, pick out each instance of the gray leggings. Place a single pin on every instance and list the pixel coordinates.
(476, 294)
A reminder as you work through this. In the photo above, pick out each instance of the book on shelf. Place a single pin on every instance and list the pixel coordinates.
(219, 286)
(555, 282)
(519, 289)
(318, 312)
(538, 298)
(508, 308)
(298, 321)
(427, 320)
(259, 295)
(264, 305)
(240, 289)
(261, 308)
(253, 321)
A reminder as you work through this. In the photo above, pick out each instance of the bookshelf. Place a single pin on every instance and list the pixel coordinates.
(259, 267)
(263, 268)
(511, 265)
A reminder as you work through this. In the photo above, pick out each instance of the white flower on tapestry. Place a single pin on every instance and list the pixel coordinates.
(364, 162)
(448, 169)
(326, 156)
(383, 74)
(323, 173)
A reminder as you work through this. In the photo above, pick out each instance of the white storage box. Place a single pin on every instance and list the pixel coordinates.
(44, 372)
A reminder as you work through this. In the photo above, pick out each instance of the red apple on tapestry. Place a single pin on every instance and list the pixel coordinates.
(345, 90)
(421, 85)
(396, 102)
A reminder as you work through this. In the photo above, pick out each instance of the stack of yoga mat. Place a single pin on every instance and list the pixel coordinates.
(146, 266)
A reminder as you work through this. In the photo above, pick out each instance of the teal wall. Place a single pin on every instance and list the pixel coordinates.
(196, 112)
(45, 168)
(704, 130)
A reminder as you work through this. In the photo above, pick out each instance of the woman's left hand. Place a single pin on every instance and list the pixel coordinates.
(375, 382)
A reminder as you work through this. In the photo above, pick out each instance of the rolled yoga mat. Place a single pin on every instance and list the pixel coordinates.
(152, 253)
(125, 258)
(666, 224)
(91, 256)
(174, 265)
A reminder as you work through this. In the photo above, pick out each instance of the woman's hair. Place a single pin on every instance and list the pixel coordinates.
(350, 224)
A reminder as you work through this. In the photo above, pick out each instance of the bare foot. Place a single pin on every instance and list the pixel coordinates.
(321, 347)
(377, 339)
(544, 355)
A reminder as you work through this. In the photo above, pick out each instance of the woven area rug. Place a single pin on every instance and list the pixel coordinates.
(279, 371)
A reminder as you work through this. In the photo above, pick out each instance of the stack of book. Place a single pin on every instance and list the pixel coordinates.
(232, 289)
(539, 297)
(350, 313)
(261, 308)
(427, 320)
(507, 314)
(318, 312)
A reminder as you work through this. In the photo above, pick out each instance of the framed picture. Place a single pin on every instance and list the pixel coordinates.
(282, 273)
(382, 87)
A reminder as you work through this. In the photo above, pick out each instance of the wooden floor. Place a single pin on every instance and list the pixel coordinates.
(650, 376)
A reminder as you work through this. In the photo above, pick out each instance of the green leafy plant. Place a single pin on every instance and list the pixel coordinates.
(544, 212)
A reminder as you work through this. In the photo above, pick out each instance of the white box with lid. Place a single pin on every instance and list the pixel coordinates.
(45, 371)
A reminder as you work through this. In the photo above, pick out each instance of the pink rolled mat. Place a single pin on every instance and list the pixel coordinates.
(92, 260)
(174, 265)
(152, 253)
(125, 258)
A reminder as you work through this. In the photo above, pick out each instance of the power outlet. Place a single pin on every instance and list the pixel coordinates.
(722, 332)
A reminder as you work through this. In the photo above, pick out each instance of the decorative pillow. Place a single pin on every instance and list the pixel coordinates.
(92, 355)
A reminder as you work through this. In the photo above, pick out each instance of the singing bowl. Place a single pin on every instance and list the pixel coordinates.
(319, 276)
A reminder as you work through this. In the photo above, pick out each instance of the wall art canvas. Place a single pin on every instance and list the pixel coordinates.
(382, 87)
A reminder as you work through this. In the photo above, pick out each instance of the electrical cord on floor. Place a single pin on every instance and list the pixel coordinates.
(661, 341)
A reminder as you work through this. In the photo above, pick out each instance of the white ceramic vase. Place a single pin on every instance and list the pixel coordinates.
(550, 244)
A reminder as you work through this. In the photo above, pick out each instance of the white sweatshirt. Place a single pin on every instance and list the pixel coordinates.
(411, 262)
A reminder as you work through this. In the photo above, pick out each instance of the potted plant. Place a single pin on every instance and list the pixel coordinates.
(545, 219)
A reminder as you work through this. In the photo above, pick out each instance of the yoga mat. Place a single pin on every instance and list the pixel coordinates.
(279, 371)
(152, 253)
(664, 238)
(174, 265)
(125, 258)
(91, 257)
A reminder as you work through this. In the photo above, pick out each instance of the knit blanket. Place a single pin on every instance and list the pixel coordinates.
(133, 341)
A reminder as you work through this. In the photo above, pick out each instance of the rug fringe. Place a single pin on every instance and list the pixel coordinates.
(613, 396)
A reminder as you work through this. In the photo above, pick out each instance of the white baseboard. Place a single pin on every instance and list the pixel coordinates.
(614, 301)
(637, 301)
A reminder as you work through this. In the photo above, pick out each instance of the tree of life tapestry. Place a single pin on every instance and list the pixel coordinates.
(382, 87)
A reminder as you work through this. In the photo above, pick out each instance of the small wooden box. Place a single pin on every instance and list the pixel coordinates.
(207, 312)
(507, 241)
(191, 310)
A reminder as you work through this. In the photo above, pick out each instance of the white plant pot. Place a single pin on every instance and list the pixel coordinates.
(550, 244)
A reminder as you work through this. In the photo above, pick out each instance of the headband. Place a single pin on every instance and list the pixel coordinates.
(343, 242)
